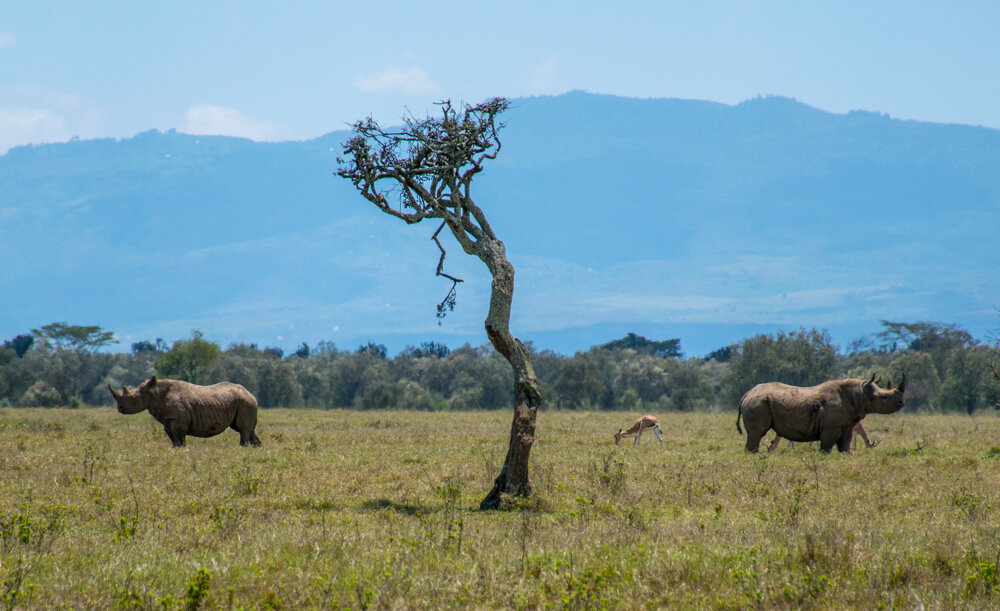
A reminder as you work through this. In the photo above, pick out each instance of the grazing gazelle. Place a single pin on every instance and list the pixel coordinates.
(646, 422)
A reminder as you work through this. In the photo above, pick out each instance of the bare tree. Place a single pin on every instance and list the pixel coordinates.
(425, 171)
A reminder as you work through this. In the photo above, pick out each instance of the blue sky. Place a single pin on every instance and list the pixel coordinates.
(296, 70)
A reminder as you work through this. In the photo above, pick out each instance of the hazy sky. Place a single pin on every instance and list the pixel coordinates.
(298, 69)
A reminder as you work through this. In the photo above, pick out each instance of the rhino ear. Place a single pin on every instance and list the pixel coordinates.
(889, 386)
(152, 381)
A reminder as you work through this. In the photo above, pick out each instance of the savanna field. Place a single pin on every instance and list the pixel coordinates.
(379, 509)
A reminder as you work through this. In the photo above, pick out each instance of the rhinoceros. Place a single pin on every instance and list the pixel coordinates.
(826, 413)
(189, 409)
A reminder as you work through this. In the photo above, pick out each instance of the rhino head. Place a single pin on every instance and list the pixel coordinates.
(883, 401)
(134, 401)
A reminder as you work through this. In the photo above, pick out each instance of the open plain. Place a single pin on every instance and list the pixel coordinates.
(379, 509)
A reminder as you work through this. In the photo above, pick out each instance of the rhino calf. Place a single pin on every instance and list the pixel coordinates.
(189, 409)
(826, 413)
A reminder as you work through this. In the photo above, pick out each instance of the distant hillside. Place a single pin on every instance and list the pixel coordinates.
(668, 218)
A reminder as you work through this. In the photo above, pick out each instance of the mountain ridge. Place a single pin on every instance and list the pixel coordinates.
(615, 211)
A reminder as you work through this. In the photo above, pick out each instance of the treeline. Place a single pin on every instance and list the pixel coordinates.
(64, 365)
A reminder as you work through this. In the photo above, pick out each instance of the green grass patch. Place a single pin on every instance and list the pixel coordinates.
(344, 509)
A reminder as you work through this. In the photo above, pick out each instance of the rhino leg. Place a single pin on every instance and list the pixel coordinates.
(249, 438)
(754, 436)
(176, 433)
(844, 443)
(828, 439)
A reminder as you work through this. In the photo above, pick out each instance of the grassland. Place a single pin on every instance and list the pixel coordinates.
(360, 510)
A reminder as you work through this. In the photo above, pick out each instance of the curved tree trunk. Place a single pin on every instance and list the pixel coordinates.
(513, 478)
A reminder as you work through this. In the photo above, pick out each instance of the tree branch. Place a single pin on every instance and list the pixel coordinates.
(432, 163)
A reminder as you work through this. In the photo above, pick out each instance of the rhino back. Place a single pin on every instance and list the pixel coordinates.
(793, 411)
(209, 410)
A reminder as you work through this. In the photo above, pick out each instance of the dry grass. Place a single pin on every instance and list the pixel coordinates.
(377, 510)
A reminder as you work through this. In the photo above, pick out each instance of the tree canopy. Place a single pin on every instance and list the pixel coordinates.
(75, 337)
(188, 359)
(666, 348)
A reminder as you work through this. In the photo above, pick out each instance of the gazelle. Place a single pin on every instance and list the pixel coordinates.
(646, 422)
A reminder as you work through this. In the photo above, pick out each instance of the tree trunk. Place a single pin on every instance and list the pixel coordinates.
(513, 478)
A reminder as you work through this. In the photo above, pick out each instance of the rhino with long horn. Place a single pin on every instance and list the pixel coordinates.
(826, 413)
(189, 409)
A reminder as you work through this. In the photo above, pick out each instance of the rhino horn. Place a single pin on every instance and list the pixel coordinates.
(902, 383)
(868, 387)
(113, 393)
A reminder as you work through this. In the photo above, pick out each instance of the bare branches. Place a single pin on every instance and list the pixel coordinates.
(443, 252)
(448, 303)
(432, 161)
(425, 170)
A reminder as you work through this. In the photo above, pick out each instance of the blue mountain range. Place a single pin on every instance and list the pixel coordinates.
(669, 218)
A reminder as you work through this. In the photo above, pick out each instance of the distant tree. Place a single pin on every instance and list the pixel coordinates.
(41, 394)
(722, 355)
(670, 348)
(75, 337)
(74, 367)
(378, 350)
(188, 359)
(936, 339)
(645, 375)
(690, 387)
(326, 350)
(430, 349)
(20, 344)
(148, 346)
(969, 382)
(353, 374)
(425, 171)
(302, 351)
(580, 384)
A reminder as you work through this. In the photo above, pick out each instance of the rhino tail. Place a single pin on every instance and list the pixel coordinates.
(739, 411)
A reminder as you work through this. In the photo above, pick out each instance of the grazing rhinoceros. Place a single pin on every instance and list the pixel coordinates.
(826, 413)
(188, 409)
